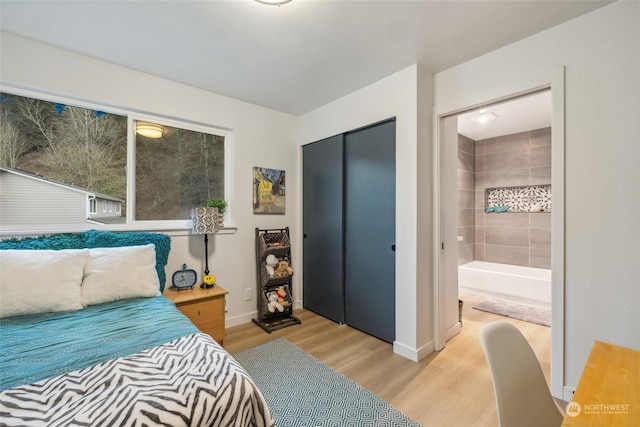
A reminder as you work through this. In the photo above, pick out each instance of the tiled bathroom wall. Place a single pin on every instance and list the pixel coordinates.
(506, 161)
(466, 198)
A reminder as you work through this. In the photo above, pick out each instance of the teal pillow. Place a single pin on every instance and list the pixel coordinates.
(108, 239)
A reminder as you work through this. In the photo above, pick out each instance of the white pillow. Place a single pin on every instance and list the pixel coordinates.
(112, 274)
(40, 281)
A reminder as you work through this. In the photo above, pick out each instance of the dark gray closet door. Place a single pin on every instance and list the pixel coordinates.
(322, 207)
(370, 182)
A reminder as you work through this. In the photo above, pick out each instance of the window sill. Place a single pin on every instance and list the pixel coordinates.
(17, 231)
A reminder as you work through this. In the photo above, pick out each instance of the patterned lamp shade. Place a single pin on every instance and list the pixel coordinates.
(205, 220)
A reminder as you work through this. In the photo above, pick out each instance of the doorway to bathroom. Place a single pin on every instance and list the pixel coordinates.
(504, 205)
(495, 180)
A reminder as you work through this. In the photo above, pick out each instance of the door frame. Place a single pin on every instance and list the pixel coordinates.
(557, 86)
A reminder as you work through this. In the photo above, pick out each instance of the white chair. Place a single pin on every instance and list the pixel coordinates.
(521, 391)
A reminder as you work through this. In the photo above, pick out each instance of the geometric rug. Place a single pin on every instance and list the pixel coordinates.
(302, 391)
(515, 311)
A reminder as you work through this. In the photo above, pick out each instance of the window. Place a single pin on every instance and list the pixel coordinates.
(68, 155)
(177, 171)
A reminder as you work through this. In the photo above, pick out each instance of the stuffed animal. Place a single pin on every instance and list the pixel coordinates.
(283, 270)
(282, 296)
(271, 263)
(273, 305)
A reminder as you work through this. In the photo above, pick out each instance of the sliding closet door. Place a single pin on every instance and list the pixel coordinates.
(322, 208)
(370, 181)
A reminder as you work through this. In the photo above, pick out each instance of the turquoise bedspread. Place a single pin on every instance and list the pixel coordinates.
(40, 346)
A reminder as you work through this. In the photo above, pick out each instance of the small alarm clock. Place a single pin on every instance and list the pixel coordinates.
(184, 278)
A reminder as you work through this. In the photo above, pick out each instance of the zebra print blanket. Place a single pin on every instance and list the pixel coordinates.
(190, 381)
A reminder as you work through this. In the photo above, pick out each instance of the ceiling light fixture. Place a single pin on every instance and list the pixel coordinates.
(273, 2)
(149, 130)
(484, 118)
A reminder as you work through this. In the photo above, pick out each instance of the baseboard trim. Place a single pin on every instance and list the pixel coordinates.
(453, 331)
(240, 320)
(413, 354)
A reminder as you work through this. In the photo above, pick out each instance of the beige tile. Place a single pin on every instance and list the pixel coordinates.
(468, 235)
(540, 156)
(480, 199)
(480, 179)
(465, 254)
(540, 238)
(509, 236)
(466, 217)
(540, 176)
(513, 142)
(507, 178)
(479, 234)
(478, 251)
(466, 199)
(540, 220)
(466, 161)
(466, 180)
(507, 161)
(540, 137)
(540, 258)
(507, 220)
(467, 145)
(479, 163)
(507, 254)
(479, 217)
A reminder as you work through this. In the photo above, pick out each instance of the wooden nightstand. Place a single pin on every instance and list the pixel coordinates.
(204, 307)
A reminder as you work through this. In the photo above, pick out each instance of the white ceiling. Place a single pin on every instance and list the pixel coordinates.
(293, 58)
(513, 116)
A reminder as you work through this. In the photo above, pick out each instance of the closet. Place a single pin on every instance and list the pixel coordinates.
(349, 228)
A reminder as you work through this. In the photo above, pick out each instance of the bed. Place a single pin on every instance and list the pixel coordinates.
(86, 338)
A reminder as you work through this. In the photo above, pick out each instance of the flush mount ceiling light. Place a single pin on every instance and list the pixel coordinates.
(484, 118)
(149, 130)
(273, 2)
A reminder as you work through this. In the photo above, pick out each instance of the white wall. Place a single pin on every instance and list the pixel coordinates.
(261, 137)
(396, 96)
(601, 53)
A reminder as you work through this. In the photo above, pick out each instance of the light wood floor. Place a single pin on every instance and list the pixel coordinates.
(448, 388)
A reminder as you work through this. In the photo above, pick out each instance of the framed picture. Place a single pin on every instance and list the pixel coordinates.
(268, 191)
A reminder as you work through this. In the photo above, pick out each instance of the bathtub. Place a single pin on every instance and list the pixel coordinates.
(513, 283)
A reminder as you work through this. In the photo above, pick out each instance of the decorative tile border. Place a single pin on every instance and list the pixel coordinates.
(529, 198)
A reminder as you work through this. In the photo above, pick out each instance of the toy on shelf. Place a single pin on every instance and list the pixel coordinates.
(283, 270)
(274, 302)
(271, 263)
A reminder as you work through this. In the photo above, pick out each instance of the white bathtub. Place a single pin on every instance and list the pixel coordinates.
(522, 285)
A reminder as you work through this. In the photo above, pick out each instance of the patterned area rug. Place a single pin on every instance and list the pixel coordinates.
(515, 311)
(302, 391)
